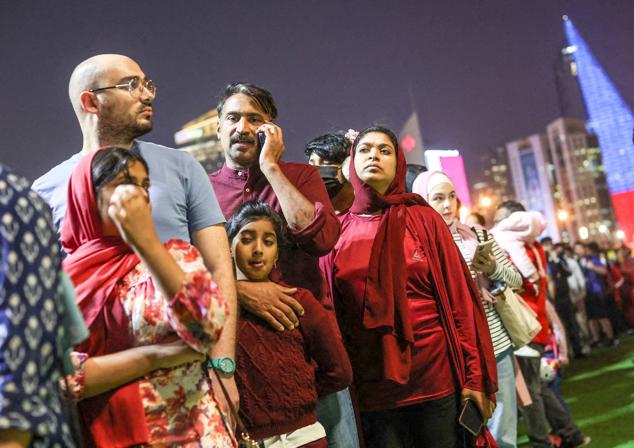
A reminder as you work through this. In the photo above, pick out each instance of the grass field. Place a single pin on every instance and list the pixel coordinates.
(600, 392)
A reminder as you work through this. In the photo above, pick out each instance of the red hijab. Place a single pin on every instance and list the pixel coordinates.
(96, 264)
(385, 302)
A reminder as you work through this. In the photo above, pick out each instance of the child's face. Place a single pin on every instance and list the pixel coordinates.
(255, 250)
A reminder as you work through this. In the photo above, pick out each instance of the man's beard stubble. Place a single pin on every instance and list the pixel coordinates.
(113, 130)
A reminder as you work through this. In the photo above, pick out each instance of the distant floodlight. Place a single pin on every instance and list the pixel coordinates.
(583, 233)
(620, 234)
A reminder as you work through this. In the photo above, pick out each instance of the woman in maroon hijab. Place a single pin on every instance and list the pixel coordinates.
(408, 310)
(152, 310)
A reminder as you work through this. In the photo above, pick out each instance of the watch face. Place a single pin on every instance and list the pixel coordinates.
(226, 365)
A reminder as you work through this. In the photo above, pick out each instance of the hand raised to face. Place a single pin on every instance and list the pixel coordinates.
(131, 211)
(273, 147)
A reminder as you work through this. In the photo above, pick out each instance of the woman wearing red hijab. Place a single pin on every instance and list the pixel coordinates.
(152, 310)
(408, 310)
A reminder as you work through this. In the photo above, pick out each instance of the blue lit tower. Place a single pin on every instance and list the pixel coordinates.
(612, 121)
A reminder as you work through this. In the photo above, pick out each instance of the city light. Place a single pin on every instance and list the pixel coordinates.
(486, 201)
(583, 233)
(603, 228)
(562, 215)
(620, 234)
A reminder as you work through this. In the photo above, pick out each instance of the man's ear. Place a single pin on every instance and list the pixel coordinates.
(89, 102)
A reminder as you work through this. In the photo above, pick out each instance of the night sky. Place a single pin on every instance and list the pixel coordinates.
(480, 71)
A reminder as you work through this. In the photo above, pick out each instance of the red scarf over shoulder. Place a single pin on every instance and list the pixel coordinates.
(96, 264)
(385, 302)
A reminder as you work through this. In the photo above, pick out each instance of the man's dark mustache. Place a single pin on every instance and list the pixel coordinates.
(242, 138)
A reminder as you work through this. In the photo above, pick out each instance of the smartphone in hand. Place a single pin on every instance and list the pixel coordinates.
(261, 139)
(484, 248)
(470, 418)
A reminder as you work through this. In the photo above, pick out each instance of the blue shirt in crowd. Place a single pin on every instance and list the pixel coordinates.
(183, 200)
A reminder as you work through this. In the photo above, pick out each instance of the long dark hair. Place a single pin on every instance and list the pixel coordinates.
(254, 211)
(109, 162)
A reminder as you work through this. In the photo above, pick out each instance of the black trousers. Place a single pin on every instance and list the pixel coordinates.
(433, 424)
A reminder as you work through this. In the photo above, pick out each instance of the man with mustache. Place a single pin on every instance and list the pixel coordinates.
(112, 98)
(254, 171)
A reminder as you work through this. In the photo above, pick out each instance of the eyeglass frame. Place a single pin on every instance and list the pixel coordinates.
(142, 83)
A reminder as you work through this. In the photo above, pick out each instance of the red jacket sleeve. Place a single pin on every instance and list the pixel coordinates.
(321, 235)
(324, 345)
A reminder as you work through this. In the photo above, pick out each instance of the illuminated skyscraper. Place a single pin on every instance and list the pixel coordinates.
(611, 120)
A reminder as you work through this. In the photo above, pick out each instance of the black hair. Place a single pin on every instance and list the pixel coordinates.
(262, 97)
(594, 247)
(546, 240)
(512, 206)
(251, 211)
(480, 218)
(377, 128)
(333, 147)
(109, 162)
(411, 173)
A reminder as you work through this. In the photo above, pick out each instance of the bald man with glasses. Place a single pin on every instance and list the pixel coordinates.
(112, 99)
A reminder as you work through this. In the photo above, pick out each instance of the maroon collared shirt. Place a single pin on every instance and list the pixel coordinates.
(299, 263)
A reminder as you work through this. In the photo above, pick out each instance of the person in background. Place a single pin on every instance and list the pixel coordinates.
(516, 231)
(255, 171)
(152, 309)
(112, 98)
(596, 272)
(475, 219)
(626, 266)
(409, 312)
(299, 364)
(31, 321)
(328, 153)
(558, 274)
(411, 173)
(487, 271)
(577, 285)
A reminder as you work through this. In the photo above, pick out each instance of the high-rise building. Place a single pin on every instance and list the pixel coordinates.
(611, 119)
(496, 185)
(533, 178)
(198, 137)
(584, 207)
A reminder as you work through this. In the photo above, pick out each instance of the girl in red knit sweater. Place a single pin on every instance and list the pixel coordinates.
(281, 374)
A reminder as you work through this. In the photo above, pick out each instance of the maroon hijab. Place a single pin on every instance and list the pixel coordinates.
(385, 302)
(96, 264)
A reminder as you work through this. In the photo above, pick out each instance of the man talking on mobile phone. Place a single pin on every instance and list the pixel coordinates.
(255, 171)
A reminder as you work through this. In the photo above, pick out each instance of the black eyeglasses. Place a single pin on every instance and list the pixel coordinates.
(135, 87)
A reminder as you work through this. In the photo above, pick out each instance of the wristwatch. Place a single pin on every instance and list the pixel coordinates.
(223, 364)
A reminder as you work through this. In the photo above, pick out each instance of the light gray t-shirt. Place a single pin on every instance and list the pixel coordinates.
(183, 200)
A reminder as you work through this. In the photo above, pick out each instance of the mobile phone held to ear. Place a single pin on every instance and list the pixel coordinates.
(484, 248)
(470, 418)
(261, 139)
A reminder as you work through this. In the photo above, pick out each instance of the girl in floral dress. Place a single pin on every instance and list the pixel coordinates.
(153, 312)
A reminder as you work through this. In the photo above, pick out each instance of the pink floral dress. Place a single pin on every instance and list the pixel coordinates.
(180, 408)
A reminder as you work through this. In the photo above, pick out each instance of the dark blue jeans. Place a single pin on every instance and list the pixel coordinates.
(433, 424)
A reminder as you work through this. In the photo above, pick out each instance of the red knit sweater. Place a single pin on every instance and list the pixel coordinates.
(280, 375)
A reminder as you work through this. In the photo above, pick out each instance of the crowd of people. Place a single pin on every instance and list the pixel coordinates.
(335, 303)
